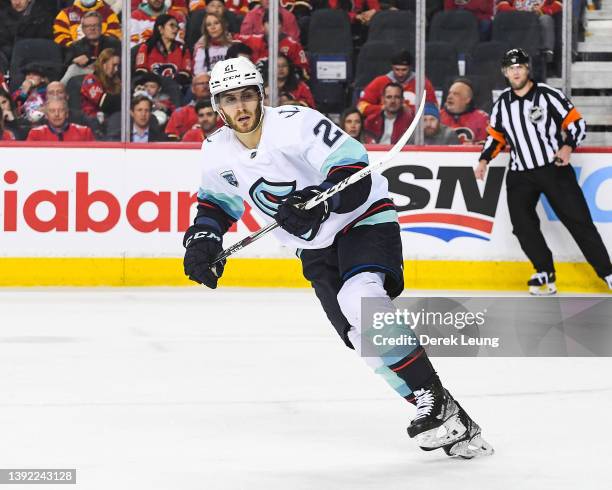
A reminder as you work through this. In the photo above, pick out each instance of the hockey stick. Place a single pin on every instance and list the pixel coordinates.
(323, 196)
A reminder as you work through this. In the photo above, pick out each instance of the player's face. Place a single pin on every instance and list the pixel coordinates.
(111, 67)
(141, 114)
(430, 125)
(242, 109)
(458, 98)
(401, 72)
(199, 86)
(352, 125)
(213, 27)
(56, 113)
(207, 119)
(392, 99)
(517, 75)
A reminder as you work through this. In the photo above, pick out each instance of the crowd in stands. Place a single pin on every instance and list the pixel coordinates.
(60, 64)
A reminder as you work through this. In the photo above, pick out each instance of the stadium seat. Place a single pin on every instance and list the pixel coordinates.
(395, 26)
(43, 52)
(458, 27)
(521, 29)
(484, 60)
(431, 6)
(330, 44)
(172, 89)
(440, 63)
(374, 59)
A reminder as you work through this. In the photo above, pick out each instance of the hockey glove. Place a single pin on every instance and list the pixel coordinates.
(203, 244)
(294, 219)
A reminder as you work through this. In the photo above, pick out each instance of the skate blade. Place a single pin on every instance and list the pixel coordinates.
(472, 448)
(544, 290)
(441, 436)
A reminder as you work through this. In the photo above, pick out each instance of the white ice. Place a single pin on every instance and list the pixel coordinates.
(247, 389)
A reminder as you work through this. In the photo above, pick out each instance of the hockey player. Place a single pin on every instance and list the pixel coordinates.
(276, 159)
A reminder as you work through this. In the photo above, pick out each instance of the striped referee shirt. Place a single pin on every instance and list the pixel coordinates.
(535, 126)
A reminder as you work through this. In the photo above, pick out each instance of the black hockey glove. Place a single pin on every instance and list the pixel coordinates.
(203, 244)
(300, 222)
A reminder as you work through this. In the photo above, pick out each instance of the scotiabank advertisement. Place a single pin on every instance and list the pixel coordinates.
(137, 202)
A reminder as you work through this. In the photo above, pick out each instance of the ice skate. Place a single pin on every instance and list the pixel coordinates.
(440, 422)
(542, 284)
(608, 280)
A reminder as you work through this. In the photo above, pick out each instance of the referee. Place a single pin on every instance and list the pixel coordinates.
(542, 128)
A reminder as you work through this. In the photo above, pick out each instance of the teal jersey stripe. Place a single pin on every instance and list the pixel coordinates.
(389, 216)
(232, 205)
(351, 151)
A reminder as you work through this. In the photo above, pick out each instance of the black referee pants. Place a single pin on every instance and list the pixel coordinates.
(560, 187)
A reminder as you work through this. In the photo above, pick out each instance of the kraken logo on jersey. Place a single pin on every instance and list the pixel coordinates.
(229, 176)
(267, 196)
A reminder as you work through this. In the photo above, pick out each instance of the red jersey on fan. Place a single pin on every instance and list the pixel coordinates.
(8, 135)
(357, 7)
(70, 132)
(471, 126)
(371, 97)
(482, 9)
(291, 48)
(170, 65)
(183, 119)
(143, 20)
(92, 93)
(302, 93)
(548, 7)
(195, 134)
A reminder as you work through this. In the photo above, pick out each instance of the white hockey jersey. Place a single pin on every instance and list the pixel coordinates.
(298, 147)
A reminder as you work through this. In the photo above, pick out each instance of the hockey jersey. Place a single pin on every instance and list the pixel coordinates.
(67, 24)
(143, 20)
(471, 126)
(165, 64)
(548, 7)
(291, 48)
(299, 147)
(71, 132)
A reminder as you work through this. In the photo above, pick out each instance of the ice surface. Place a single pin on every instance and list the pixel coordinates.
(249, 389)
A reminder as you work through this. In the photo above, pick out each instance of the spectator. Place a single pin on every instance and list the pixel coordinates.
(67, 26)
(101, 93)
(58, 128)
(19, 127)
(389, 123)
(482, 9)
(143, 20)
(81, 55)
(351, 121)
(5, 134)
(286, 45)
(370, 99)
(30, 96)
(185, 117)
(237, 7)
(150, 85)
(213, 44)
(163, 55)
(232, 18)
(359, 11)
(178, 5)
(144, 127)
(239, 49)
(435, 132)
(544, 9)
(290, 83)
(459, 113)
(56, 90)
(23, 19)
(3, 85)
(253, 22)
(207, 122)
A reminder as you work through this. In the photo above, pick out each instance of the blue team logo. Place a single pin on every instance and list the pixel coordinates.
(267, 196)
(229, 176)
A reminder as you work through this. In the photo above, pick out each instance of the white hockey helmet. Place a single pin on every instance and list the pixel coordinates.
(232, 74)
